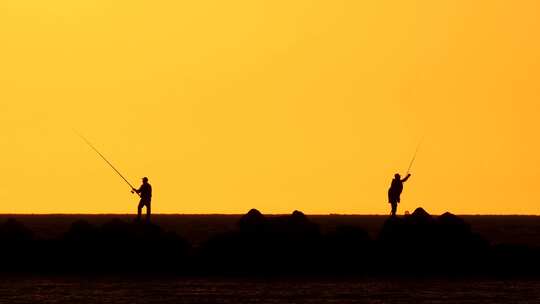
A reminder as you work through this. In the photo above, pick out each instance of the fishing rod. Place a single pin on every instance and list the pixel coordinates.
(108, 162)
(414, 156)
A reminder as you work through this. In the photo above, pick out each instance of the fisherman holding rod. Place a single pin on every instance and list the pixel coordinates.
(144, 191)
(395, 191)
(396, 187)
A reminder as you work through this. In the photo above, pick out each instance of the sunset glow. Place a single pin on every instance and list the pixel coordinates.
(275, 105)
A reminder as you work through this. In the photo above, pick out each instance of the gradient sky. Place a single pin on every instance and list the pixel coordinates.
(277, 105)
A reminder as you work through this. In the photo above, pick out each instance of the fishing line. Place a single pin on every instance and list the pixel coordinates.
(105, 159)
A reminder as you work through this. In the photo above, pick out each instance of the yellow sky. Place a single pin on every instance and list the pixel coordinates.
(277, 105)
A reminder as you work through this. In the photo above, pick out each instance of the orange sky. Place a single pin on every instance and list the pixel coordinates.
(278, 105)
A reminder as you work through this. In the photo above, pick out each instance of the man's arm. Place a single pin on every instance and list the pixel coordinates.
(406, 178)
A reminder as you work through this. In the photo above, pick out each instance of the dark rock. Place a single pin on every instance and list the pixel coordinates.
(14, 231)
(298, 216)
(116, 231)
(419, 216)
(252, 222)
(348, 241)
(81, 231)
(393, 230)
(296, 226)
(451, 222)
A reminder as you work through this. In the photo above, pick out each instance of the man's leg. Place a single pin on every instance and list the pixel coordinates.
(394, 209)
(139, 209)
(148, 212)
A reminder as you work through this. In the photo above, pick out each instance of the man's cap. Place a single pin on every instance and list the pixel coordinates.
(145, 179)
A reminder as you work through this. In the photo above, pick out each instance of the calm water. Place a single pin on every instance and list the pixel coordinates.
(216, 290)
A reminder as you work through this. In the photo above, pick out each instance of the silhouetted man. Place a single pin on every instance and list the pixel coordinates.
(145, 192)
(395, 191)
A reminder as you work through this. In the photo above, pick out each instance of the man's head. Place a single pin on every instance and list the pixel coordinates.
(397, 176)
(145, 180)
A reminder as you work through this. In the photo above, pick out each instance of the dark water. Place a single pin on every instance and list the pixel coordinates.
(220, 290)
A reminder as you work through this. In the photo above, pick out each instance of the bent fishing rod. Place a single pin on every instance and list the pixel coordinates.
(108, 162)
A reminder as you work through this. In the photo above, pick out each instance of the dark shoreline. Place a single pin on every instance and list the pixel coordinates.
(257, 245)
(197, 228)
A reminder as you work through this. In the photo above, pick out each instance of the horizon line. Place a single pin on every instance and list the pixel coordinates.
(270, 214)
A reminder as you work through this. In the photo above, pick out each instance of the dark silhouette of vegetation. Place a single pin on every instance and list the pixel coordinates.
(293, 245)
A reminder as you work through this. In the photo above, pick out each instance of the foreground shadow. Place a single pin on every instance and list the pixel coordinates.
(415, 244)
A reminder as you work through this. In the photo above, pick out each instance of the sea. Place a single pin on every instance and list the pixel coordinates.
(131, 290)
